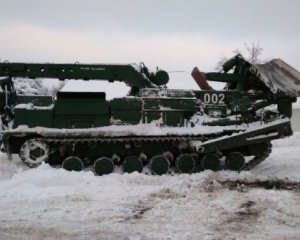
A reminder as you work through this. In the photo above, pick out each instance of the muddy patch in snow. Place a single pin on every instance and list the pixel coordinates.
(243, 219)
(278, 184)
(138, 211)
(165, 194)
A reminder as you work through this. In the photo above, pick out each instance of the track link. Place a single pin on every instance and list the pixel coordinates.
(258, 159)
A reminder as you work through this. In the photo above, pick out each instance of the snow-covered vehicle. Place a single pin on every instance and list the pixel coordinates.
(157, 127)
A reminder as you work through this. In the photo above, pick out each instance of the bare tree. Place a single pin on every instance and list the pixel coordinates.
(57, 88)
(27, 86)
(253, 54)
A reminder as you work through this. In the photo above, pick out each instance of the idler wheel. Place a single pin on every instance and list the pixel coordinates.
(211, 161)
(33, 152)
(72, 163)
(235, 161)
(103, 165)
(185, 163)
(132, 164)
(159, 165)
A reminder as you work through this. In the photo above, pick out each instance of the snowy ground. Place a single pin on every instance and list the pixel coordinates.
(47, 203)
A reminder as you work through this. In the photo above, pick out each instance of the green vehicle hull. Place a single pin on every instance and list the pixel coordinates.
(152, 129)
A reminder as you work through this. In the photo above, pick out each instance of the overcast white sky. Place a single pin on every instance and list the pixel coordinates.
(171, 34)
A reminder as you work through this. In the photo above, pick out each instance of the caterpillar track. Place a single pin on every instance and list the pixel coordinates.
(167, 153)
(195, 165)
(170, 149)
(258, 158)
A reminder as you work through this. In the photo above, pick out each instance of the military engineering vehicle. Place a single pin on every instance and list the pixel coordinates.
(153, 127)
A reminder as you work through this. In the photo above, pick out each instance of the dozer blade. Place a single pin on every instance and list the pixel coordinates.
(278, 129)
(278, 75)
(200, 79)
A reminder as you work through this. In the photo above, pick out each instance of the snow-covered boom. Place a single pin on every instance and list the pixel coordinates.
(164, 129)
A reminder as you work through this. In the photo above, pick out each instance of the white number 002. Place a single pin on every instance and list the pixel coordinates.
(214, 98)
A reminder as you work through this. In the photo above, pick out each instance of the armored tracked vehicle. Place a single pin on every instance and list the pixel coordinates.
(153, 127)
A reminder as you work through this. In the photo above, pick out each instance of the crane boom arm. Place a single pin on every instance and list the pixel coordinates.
(134, 76)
